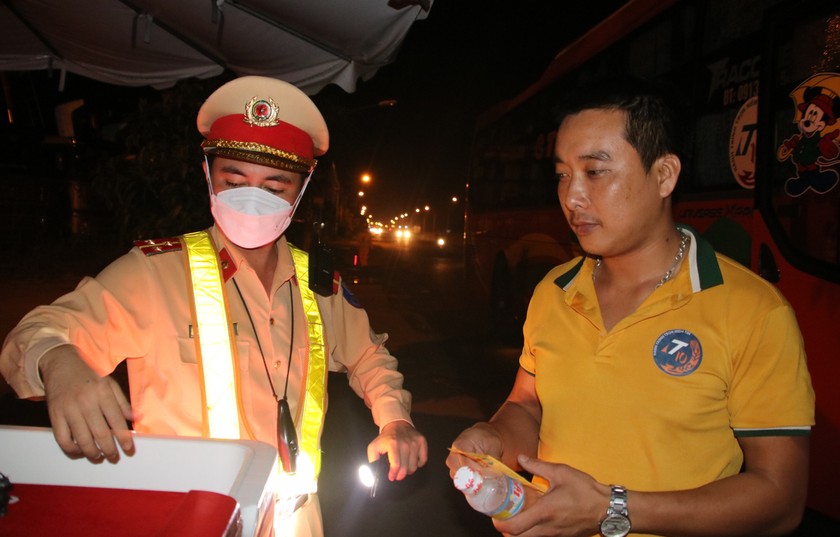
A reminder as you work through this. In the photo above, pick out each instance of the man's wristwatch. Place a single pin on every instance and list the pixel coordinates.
(617, 521)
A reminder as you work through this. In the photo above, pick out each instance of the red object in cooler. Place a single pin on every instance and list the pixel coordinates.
(94, 512)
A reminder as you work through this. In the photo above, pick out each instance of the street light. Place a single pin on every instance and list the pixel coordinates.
(427, 210)
(449, 211)
(345, 118)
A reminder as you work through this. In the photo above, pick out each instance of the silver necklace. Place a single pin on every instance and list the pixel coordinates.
(685, 240)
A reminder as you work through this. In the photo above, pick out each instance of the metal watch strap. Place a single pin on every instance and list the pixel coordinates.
(617, 521)
(618, 500)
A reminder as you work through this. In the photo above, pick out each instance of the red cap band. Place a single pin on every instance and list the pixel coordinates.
(282, 137)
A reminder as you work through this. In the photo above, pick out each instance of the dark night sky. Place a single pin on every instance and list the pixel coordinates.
(465, 57)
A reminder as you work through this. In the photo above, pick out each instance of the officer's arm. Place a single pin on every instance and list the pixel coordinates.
(87, 411)
(404, 446)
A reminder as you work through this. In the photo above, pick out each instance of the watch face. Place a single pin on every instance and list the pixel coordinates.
(615, 526)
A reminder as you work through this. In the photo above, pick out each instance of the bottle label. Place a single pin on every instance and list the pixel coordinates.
(515, 500)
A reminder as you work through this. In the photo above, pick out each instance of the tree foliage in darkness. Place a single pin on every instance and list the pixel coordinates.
(155, 187)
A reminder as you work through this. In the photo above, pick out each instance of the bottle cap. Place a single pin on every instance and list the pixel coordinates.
(467, 479)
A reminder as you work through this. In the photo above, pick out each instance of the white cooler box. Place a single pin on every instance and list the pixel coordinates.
(241, 469)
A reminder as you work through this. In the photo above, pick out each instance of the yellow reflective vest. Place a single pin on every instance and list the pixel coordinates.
(216, 351)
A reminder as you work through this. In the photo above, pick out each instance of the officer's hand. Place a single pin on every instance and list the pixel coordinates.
(573, 505)
(406, 448)
(480, 438)
(86, 411)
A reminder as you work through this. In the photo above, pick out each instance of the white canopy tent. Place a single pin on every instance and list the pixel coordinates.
(309, 43)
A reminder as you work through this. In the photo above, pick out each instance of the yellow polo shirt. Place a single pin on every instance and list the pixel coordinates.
(658, 402)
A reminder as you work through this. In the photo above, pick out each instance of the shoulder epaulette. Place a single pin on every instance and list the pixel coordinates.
(158, 246)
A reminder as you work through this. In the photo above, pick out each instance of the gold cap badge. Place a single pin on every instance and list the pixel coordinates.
(262, 112)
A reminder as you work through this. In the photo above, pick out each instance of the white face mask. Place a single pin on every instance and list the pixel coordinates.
(251, 217)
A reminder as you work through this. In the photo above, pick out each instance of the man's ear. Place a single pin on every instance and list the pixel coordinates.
(667, 172)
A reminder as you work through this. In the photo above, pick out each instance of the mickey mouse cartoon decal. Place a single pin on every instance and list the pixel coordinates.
(816, 147)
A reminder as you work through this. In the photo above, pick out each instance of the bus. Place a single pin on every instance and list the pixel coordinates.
(759, 180)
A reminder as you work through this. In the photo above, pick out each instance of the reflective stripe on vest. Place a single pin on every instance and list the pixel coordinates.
(215, 352)
(314, 400)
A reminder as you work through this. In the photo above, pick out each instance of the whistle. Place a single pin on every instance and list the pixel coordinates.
(287, 442)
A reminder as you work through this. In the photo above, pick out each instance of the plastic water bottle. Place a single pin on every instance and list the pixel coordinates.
(490, 492)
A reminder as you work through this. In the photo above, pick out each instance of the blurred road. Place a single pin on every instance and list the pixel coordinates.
(456, 372)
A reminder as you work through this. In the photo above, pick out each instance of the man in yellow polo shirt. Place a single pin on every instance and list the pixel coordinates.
(223, 336)
(663, 388)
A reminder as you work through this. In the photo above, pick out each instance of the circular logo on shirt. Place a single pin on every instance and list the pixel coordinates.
(677, 352)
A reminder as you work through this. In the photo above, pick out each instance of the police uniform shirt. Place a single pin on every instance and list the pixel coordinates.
(138, 309)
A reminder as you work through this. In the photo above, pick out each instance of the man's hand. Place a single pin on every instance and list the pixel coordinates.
(514, 429)
(87, 411)
(480, 438)
(573, 506)
(406, 448)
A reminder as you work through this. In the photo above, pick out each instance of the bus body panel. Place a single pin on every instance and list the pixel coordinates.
(747, 68)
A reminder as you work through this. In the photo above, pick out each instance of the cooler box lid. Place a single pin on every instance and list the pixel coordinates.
(241, 469)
